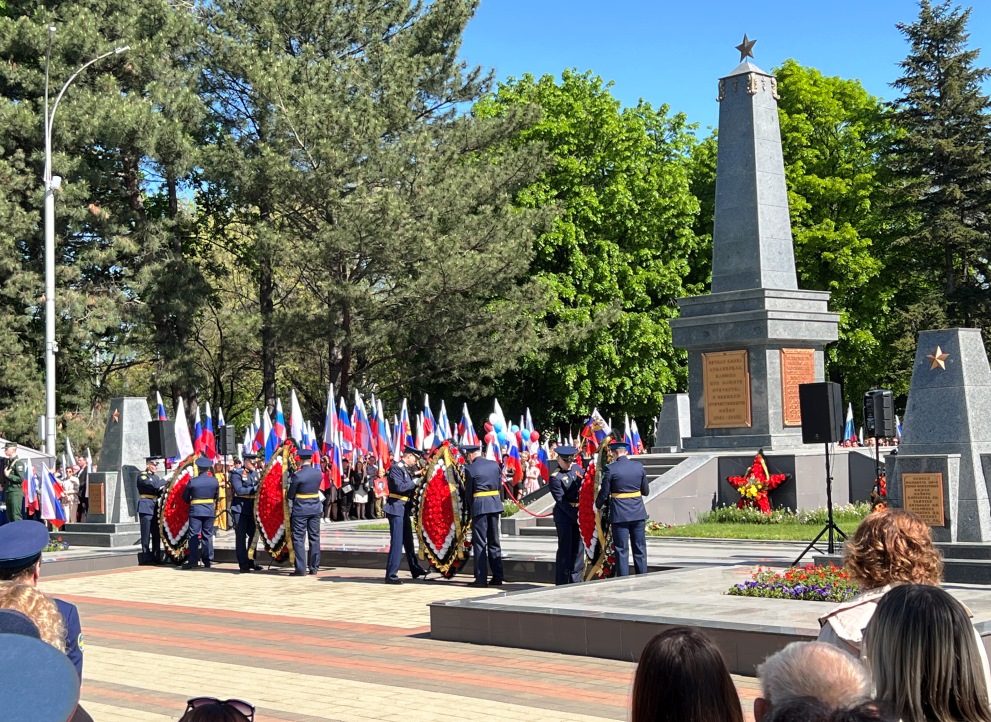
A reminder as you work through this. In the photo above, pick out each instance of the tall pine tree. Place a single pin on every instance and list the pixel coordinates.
(942, 171)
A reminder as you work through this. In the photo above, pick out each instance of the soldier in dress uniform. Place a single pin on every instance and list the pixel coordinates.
(565, 483)
(483, 480)
(625, 484)
(150, 486)
(21, 544)
(201, 493)
(244, 483)
(15, 471)
(399, 512)
(304, 493)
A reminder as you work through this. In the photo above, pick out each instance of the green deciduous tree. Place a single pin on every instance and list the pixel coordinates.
(617, 252)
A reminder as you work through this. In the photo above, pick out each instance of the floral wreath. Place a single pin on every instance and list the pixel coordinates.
(271, 507)
(755, 485)
(879, 494)
(596, 532)
(441, 512)
(173, 511)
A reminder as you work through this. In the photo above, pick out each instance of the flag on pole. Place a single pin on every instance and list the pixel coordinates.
(198, 438)
(89, 460)
(162, 416)
(296, 423)
(373, 424)
(405, 428)
(246, 442)
(849, 432)
(398, 438)
(514, 466)
(492, 452)
(429, 426)
(595, 431)
(279, 423)
(628, 435)
(268, 434)
(421, 442)
(30, 489)
(345, 428)
(383, 450)
(443, 432)
(68, 450)
(261, 435)
(466, 429)
(362, 427)
(50, 492)
(898, 428)
(209, 440)
(543, 464)
(529, 420)
(329, 423)
(637, 441)
(861, 435)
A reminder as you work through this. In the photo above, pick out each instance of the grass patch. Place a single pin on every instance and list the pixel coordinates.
(780, 525)
(773, 532)
(377, 526)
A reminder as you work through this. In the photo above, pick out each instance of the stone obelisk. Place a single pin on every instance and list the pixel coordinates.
(756, 336)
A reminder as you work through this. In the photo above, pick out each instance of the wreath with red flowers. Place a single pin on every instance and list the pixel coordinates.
(173, 511)
(755, 485)
(879, 494)
(596, 532)
(441, 513)
(271, 508)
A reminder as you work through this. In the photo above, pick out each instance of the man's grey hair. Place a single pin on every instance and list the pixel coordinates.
(817, 670)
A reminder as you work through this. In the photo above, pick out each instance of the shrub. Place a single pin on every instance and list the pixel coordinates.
(813, 517)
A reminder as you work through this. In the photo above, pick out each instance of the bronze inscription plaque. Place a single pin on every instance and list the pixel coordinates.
(97, 502)
(923, 495)
(726, 389)
(798, 366)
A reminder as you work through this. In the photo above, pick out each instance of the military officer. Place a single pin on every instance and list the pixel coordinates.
(15, 471)
(565, 483)
(150, 486)
(21, 544)
(304, 494)
(624, 485)
(399, 511)
(483, 479)
(201, 493)
(244, 483)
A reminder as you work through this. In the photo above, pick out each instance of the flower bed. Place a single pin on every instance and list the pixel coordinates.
(811, 583)
(57, 545)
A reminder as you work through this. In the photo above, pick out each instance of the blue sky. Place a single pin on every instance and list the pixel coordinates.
(674, 52)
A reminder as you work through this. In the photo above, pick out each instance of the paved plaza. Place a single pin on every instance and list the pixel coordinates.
(339, 646)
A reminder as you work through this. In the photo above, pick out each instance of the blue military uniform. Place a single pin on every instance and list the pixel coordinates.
(565, 487)
(21, 544)
(304, 493)
(244, 484)
(625, 484)
(483, 479)
(399, 513)
(150, 487)
(201, 493)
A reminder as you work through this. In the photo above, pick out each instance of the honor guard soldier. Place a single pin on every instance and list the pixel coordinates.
(150, 486)
(482, 481)
(201, 494)
(304, 493)
(15, 471)
(625, 484)
(244, 484)
(398, 511)
(21, 544)
(565, 484)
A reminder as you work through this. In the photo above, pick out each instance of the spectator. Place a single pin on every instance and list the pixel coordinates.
(70, 493)
(380, 487)
(211, 709)
(890, 546)
(330, 494)
(39, 683)
(346, 492)
(38, 608)
(681, 677)
(925, 657)
(807, 709)
(531, 473)
(810, 670)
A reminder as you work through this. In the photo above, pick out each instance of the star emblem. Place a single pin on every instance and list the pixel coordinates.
(938, 358)
(746, 48)
(116, 415)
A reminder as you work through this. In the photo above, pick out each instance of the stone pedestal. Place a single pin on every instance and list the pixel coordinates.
(771, 332)
(947, 431)
(673, 425)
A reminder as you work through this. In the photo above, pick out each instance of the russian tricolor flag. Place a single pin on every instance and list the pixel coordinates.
(429, 425)
(542, 464)
(513, 464)
(161, 408)
(50, 492)
(209, 440)
(268, 433)
(595, 431)
(405, 427)
(849, 431)
(345, 428)
(466, 430)
(198, 439)
(329, 423)
(443, 425)
(362, 427)
(30, 488)
(279, 425)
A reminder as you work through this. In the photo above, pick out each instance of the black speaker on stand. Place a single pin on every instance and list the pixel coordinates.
(822, 422)
(879, 423)
(226, 440)
(161, 439)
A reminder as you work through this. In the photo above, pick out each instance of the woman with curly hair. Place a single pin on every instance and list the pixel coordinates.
(890, 547)
(38, 608)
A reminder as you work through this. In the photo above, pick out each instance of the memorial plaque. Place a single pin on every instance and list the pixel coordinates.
(798, 366)
(923, 495)
(97, 504)
(726, 389)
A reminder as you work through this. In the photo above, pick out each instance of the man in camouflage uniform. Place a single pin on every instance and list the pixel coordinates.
(15, 471)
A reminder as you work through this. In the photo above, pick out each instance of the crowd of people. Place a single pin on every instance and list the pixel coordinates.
(902, 650)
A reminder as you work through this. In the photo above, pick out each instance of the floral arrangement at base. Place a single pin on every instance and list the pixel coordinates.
(173, 512)
(811, 583)
(756, 484)
(596, 533)
(271, 508)
(656, 526)
(441, 512)
(56, 545)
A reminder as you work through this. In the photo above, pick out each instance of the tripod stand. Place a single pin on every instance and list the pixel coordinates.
(830, 524)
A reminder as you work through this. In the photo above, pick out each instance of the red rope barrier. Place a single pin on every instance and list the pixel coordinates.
(509, 493)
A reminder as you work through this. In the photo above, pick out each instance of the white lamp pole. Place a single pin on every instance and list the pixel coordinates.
(52, 184)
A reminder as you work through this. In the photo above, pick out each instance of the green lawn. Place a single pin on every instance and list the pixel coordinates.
(376, 526)
(726, 530)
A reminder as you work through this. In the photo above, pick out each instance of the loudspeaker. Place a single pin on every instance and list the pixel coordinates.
(226, 443)
(161, 439)
(879, 413)
(822, 412)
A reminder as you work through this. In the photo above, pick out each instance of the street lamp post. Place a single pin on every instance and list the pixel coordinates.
(52, 184)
